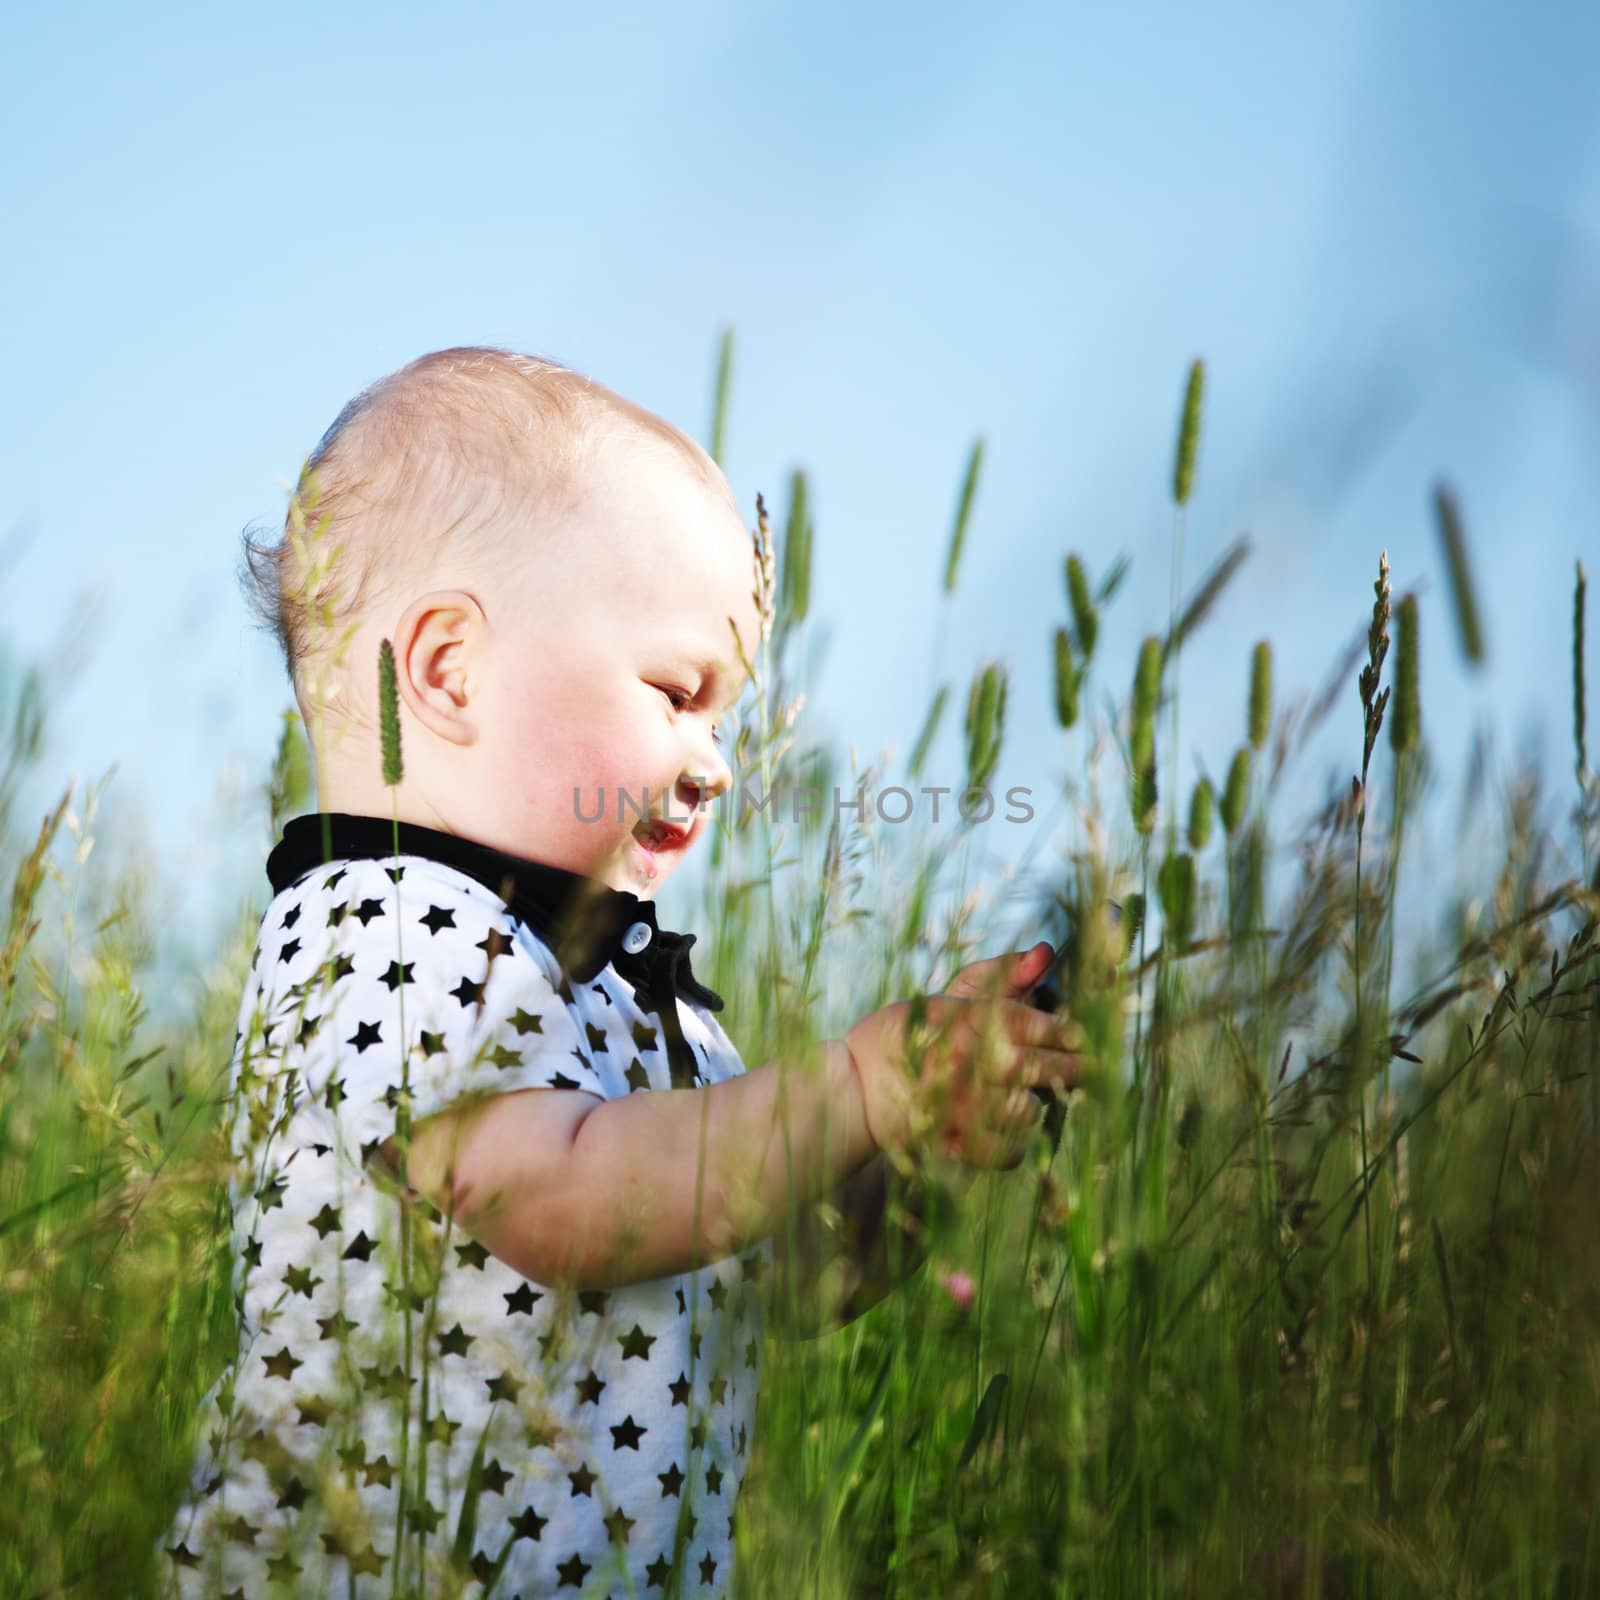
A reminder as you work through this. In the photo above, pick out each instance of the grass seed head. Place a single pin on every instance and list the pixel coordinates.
(1085, 618)
(1236, 793)
(1260, 694)
(1201, 804)
(389, 715)
(1189, 434)
(1067, 680)
(1447, 516)
(1406, 721)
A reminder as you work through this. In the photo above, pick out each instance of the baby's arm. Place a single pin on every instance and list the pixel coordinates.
(570, 1189)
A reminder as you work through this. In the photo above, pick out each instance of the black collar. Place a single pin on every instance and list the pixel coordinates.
(580, 918)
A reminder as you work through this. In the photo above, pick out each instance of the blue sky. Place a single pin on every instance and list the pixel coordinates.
(1380, 227)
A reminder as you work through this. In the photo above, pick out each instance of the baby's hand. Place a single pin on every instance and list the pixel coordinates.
(974, 1056)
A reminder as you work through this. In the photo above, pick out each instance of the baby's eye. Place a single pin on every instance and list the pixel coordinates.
(678, 698)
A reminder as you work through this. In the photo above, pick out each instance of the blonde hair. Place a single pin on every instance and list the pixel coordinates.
(422, 472)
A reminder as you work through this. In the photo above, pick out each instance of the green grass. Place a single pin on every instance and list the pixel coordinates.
(1303, 1298)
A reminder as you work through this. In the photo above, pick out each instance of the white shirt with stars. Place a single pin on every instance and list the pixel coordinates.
(519, 1440)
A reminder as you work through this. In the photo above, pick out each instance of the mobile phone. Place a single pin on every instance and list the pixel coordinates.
(1046, 994)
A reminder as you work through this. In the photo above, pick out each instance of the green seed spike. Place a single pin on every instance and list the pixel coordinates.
(958, 534)
(1067, 680)
(986, 715)
(1404, 724)
(1189, 434)
(1085, 619)
(1208, 593)
(1260, 693)
(719, 404)
(797, 550)
(1447, 514)
(919, 753)
(1578, 715)
(1201, 804)
(1144, 797)
(1236, 793)
(1175, 881)
(1146, 692)
(389, 715)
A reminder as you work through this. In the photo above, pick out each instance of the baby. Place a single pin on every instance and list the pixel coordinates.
(508, 1209)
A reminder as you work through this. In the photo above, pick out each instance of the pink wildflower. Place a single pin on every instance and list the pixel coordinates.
(959, 1287)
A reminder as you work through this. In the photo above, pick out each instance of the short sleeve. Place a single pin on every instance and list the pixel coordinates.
(428, 986)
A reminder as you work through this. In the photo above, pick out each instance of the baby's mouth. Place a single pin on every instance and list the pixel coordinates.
(661, 838)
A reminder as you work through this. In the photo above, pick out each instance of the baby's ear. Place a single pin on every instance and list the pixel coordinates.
(433, 642)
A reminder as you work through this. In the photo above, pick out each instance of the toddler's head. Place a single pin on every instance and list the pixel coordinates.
(560, 573)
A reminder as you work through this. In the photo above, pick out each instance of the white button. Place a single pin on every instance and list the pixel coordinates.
(636, 938)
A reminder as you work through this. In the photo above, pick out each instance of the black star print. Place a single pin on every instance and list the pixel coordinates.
(438, 917)
(395, 873)
(441, 1430)
(583, 1480)
(708, 1568)
(468, 992)
(183, 1556)
(719, 1389)
(284, 1566)
(572, 1571)
(366, 1033)
(697, 1434)
(644, 1036)
(504, 1056)
(636, 1342)
(638, 1078)
(368, 909)
(683, 1308)
(593, 1300)
(561, 1081)
(332, 881)
(713, 1479)
(456, 1341)
(240, 1532)
(589, 1388)
(333, 1095)
(521, 1300)
(503, 1387)
(281, 1365)
(291, 916)
(432, 1043)
(360, 1248)
(352, 1457)
(380, 1472)
(308, 1029)
(527, 1524)
(341, 967)
(326, 1221)
(493, 944)
(336, 1326)
(300, 1281)
(494, 1477)
(671, 1480)
(472, 1254)
(718, 1293)
(625, 1435)
(367, 1560)
(315, 1411)
(550, 1344)
(680, 1390)
(597, 1037)
(619, 1525)
(293, 1496)
(337, 914)
(425, 1518)
(694, 1343)
(396, 975)
(289, 951)
(252, 1253)
(524, 1022)
(655, 1575)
